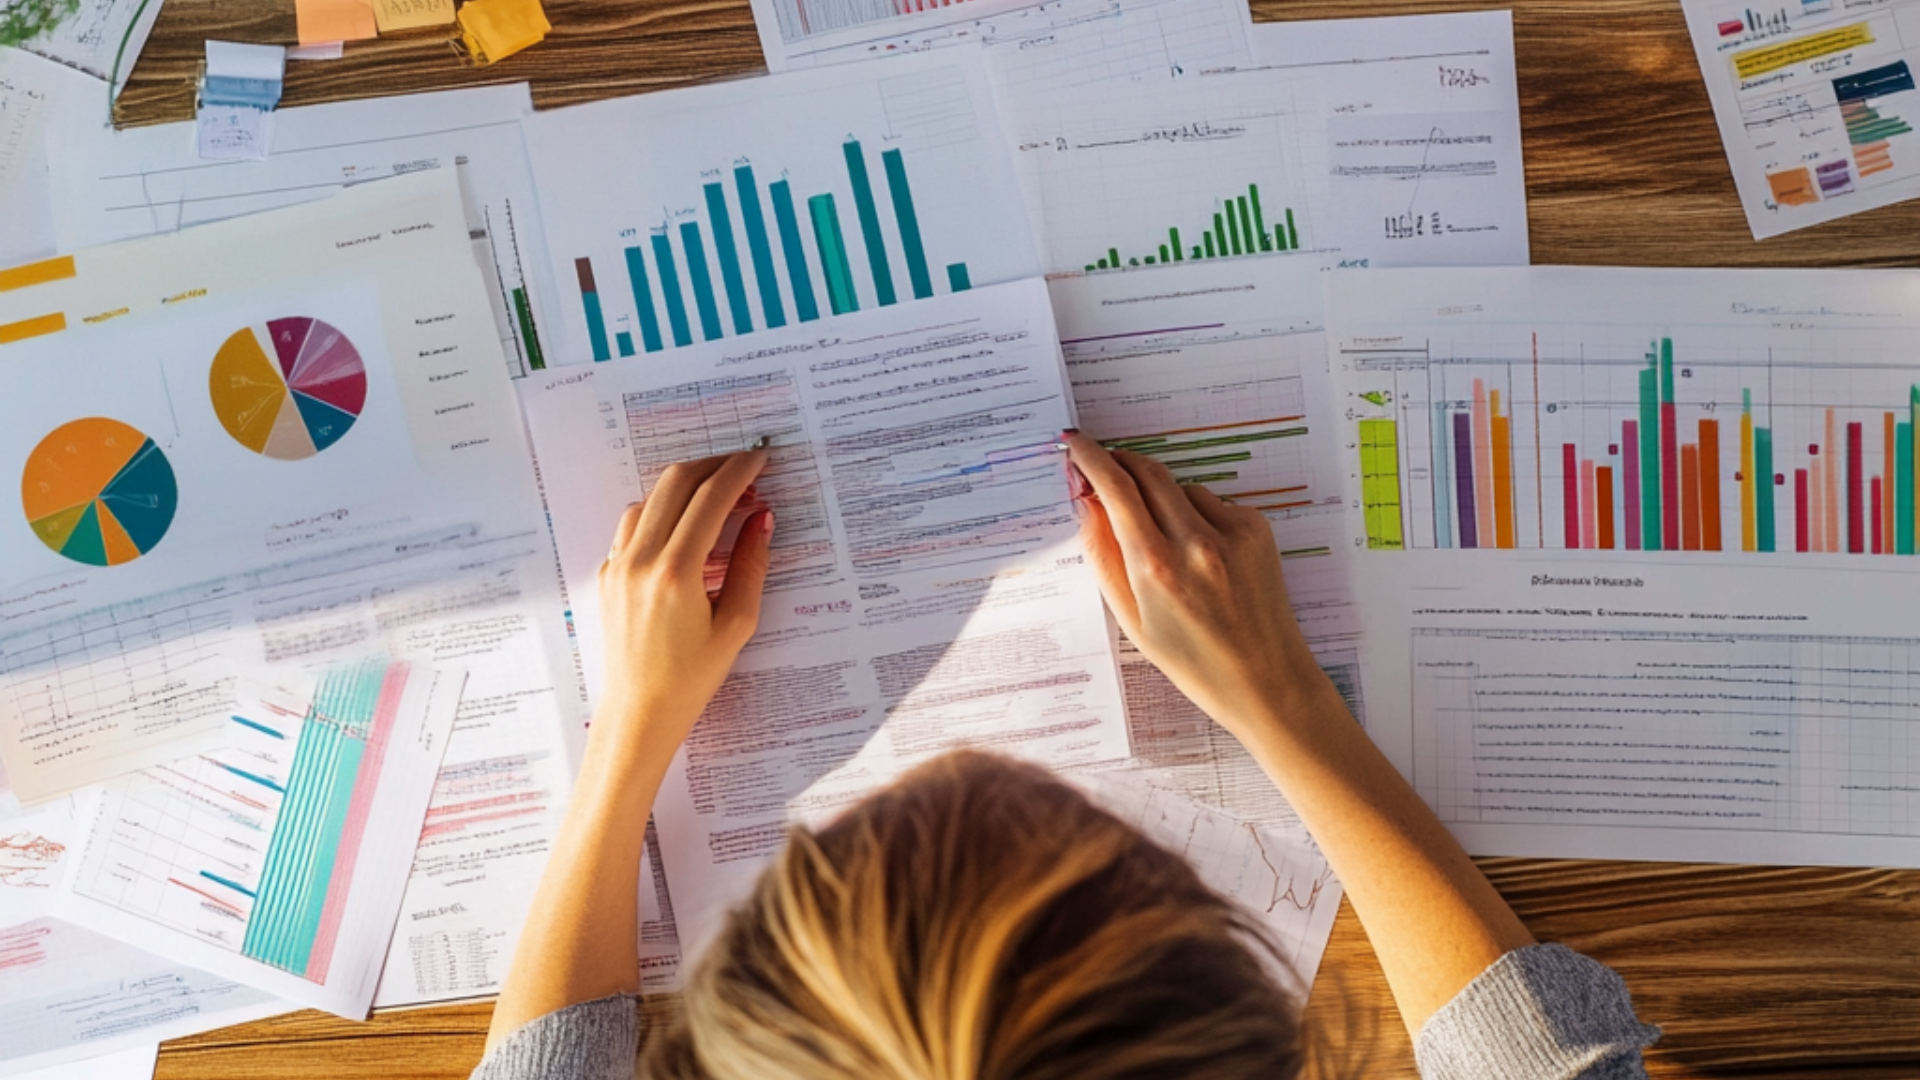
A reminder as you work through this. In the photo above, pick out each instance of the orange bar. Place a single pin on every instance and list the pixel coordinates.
(1503, 523)
(1603, 486)
(1482, 462)
(1689, 497)
(1891, 473)
(37, 273)
(1710, 485)
(28, 328)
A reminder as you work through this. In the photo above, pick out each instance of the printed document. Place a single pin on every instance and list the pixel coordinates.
(1635, 554)
(254, 534)
(116, 185)
(928, 589)
(1816, 104)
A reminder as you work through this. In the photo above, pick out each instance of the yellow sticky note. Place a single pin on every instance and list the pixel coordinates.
(335, 20)
(411, 14)
(496, 29)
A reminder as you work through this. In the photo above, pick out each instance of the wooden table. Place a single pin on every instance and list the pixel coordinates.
(1752, 971)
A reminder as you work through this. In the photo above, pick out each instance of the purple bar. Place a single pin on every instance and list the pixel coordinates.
(1630, 468)
(1463, 479)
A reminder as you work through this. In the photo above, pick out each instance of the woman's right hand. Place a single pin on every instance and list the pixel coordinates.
(1196, 584)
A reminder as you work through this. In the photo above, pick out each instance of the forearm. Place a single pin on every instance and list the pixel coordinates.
(1434, 919)
(581, 938)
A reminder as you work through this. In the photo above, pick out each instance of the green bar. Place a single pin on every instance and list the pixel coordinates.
(1380, 483)
(1211, 253)
(1102, 264)
(1165, 256)
(1666, 371)
(1259, 218)
(1091, 267)
(1650, 520)
(833, 255)
(869, 213)
(523, 311)
(1197, 254)
(1763, 489)
(1246, 226)
(1113, 256)
(1149, 260)
(957, 277)
(1233, 230)
(1903, 489)
(1219, 234)
(1173, 241)
(1280, 238)
(909, 223)
(1293, 238)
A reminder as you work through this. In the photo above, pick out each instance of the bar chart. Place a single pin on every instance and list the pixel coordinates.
(1668, 451)
(1239, 227)
(845, 194)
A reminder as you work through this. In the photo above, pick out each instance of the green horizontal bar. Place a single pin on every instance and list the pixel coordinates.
(1210, 478)
(1209, 461)
(1221, 440)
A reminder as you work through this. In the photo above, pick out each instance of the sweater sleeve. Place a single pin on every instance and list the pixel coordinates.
(1543, 1012)
(595, 1040)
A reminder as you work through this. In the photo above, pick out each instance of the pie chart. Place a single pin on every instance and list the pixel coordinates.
(99, 492)
(288, 389)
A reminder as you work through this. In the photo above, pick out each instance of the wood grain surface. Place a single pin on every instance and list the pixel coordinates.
(1752, 972)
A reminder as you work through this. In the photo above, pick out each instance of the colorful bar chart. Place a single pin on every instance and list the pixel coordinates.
(1239, 227)
(726, 266)
(1500, 462)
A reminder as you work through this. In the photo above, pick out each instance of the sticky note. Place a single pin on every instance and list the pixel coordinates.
(233, 133)
(411, 14)
(495, 29)
(335, 20)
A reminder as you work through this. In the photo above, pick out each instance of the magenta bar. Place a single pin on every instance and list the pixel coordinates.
(1570, 493)
(1669, 477)
(1856, 493)
(1630, 469)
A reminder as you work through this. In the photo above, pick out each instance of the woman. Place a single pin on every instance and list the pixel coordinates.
(979, 919)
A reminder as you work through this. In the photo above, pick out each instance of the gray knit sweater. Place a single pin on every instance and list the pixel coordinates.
(1539, 1013)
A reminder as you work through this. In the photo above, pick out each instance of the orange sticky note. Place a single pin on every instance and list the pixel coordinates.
(411, 14)
(335, 20)
(495, 29)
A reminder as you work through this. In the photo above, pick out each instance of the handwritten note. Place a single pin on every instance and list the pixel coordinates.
(411, 14)
(335, 20)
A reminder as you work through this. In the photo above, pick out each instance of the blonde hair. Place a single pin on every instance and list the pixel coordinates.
(980, 919)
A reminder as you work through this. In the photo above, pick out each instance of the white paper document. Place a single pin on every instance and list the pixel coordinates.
(271, 367)
(116, 185)
(1278, 876)
(1036, 46)
(742, 208)
(1423, 152)
(69, 996)
(31, 92)
(102, 38)
(279, 860)
(1636, 556)
(132, 1064)
(1816, 103)
(927, 589)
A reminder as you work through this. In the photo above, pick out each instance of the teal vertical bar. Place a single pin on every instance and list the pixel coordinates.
(1293, 238)
(1173, 241)
(731, 279)
(869, 222)
(1650, 520)
(1246, 227)
(1763, 489)
(626, 343)
(833, 255)
(759, 246)
(670, 289)
(796, 251)
(702, 281)
(1666, 371)
(957, 277)
(909, 222)
(1903, 489)
(1259, 218)
(643, 300)
(590, 303)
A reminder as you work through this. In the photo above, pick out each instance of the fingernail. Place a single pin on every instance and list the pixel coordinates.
(766, 521)
(1070, 431)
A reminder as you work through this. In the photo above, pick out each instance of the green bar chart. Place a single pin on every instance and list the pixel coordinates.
(1237, 227)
